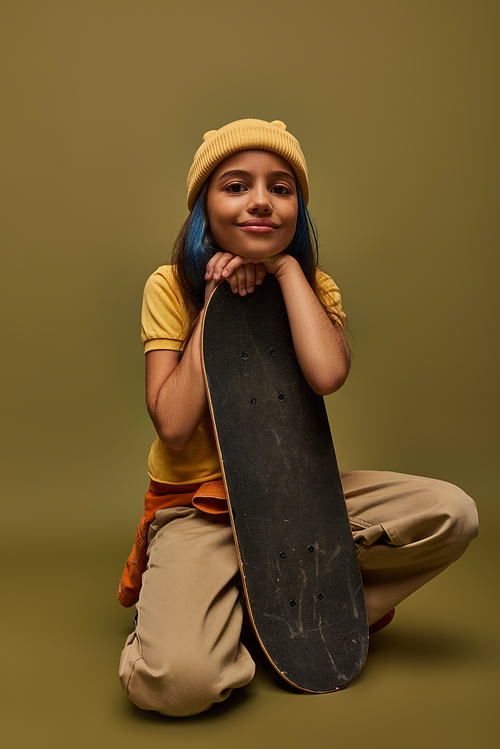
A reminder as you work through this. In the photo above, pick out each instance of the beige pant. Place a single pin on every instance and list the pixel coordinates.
(185, 653)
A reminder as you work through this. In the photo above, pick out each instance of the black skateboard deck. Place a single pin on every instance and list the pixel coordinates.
(297, 559)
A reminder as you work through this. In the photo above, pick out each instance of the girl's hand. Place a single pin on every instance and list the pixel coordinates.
(242, 274)
(277, 263)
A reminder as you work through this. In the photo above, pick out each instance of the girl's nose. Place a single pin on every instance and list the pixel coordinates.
(259, 200)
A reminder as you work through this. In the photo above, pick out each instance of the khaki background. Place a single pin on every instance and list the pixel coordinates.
(105, 101)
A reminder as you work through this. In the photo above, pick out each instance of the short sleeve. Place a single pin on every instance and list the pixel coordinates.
(329, 295)
(163, 314)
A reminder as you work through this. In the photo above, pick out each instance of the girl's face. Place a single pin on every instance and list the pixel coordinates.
(252, 204)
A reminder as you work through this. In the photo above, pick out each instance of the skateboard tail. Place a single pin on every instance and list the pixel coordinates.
(325, 674)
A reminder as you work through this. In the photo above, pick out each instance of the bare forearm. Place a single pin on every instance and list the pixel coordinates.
(179, 403)
(320, 346)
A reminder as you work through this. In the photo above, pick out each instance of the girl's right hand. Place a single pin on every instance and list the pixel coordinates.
(241, 273)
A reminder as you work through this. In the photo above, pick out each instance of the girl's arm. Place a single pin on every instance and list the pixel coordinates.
(320, 345)
(175, 391)
(175, 387)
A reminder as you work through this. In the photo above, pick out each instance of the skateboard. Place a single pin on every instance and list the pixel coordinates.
(295, 549)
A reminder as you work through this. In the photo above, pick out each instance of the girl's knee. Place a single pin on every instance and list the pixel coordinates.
(457, 516)
(174, 692)
(187, 687)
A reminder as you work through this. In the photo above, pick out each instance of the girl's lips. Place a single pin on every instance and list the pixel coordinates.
(257, 228)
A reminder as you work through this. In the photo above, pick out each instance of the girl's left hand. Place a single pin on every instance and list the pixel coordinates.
(242, 274)
(277, 263)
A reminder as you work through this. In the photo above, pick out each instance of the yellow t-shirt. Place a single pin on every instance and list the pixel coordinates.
(163, 327)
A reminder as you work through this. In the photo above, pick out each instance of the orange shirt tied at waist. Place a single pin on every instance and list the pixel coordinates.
(208, 497)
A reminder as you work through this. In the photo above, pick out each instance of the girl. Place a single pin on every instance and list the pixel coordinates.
(247, 195)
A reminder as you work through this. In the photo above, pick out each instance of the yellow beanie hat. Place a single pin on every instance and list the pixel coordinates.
(244, 135)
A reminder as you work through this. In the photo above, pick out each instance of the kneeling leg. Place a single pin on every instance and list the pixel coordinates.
(185, 653)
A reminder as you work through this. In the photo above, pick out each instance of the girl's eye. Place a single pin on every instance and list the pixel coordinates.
(280, 189)
(235, 187)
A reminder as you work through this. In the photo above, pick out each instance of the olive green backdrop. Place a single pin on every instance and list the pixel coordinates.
(105, 101)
